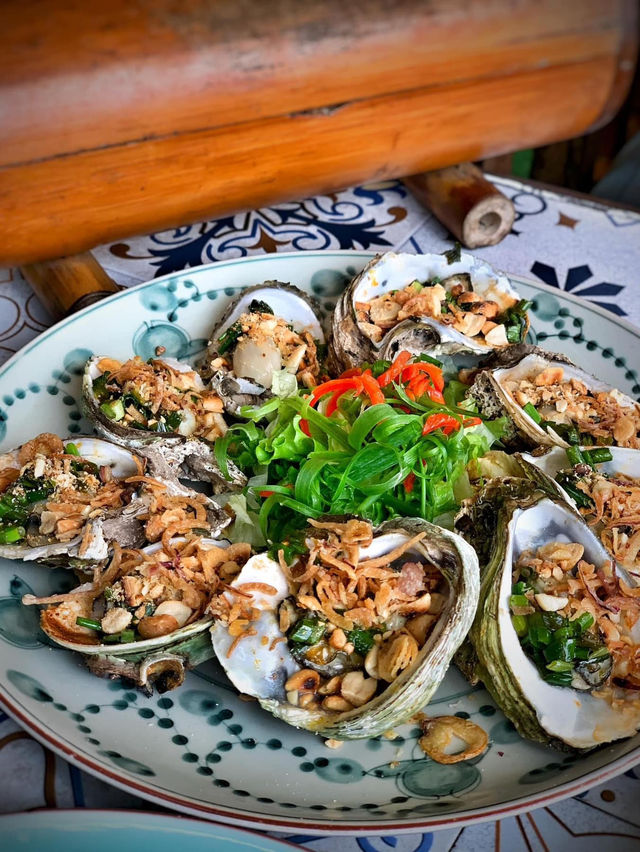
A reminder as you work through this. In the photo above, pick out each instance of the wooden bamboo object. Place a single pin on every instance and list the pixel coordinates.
(69, 284)
(474, 211)
(129, 118)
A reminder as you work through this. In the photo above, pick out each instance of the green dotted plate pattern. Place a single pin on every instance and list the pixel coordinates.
(201, 749)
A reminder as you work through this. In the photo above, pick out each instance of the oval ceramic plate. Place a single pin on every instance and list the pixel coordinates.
(200, 749)
(104, 831)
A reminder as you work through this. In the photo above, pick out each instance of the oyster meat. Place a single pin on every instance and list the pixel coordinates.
(355, 636)
(267, 330)
(549, 401)
(557, 632)
(144, 616)
(62, 499)
(425, 302)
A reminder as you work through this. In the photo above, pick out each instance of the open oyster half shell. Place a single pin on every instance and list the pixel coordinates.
(496, 382)
(260, 665)
(91, 544)
(505, 519)
(245, 377)
(170, 456)
(619, 530)
(350, 344)
(159, 662)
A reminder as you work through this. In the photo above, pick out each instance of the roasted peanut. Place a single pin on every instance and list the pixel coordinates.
(358, 689)
(338, 639)
(157, 625)
(305, 680)
(420, 626)
(337, 703)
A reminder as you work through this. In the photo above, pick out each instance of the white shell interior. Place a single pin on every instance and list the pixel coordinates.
(624, 461)
(580, 719)
(396, 271)
(284, 304)
(531, 366)
(256, 666)
(119, 459)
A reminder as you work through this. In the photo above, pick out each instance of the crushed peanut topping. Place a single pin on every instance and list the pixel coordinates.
(557, 572)
(152, 594)
(60, 492)
(156, 396)
(458, 307)
(297, 350)
(354, 624)
(569, 402)
(615, 512)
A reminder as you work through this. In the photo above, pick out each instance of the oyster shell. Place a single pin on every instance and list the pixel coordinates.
(366, 327)
(170, 456)
(280, 328)
(262, 664)
(134, 402)
(36, 470)
(159, 660)
(564, 397)
(607, 495)
(507, 519)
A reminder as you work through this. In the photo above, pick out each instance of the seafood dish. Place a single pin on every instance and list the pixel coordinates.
(339, 511)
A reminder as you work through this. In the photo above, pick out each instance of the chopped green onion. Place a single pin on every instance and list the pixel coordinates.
(91, 623)
(100, 387)
(519, 624)
(118, 638)
(600, 653)
(172, 420)
(11, 535)
(575, 456)
(558, 678)
(417, 286)
(582, 500)
(532, 411)
(519, 601)
(229, 337)
(113, 410)
(71, 449)
(521, 587)
(559, 666)
(597, 455)
(585, 621)
(259, 307)
(427, 359)
(362, 640)
(307, 631)
(453, 255)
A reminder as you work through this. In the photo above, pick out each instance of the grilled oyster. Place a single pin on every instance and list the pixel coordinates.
(603, 484)
(551, 615)
(350, 670)
(163, 411)
(65, 499)
(134, 401)
(549, 401)
(425, 302)
(144, 616)
(267, 330)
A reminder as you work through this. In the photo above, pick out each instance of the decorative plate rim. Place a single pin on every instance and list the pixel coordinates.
(195, 809)
(177, 818)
